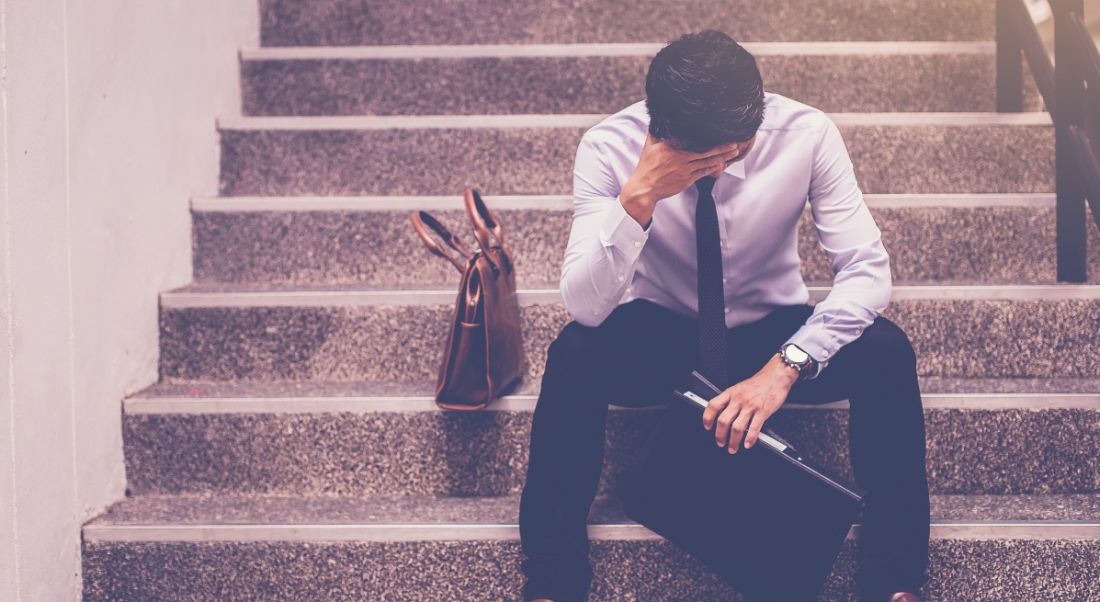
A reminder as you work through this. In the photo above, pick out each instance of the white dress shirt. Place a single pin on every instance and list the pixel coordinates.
(798, 155)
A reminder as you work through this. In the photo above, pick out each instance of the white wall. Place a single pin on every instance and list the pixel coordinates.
(107, 114)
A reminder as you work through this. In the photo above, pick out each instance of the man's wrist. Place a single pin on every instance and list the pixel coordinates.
(638, 204)
(635, 194)
(790, 373)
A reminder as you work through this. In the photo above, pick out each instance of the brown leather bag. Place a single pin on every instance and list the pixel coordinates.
(483, 354)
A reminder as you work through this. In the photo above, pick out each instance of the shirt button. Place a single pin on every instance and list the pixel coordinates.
(637, 243)
(825, 353)
(723, 281)
(621, 278)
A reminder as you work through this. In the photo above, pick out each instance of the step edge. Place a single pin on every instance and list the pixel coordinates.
(216, 204)
(175, 405)
(466, 51)
(351, 532)
(185, 299)
(587, 120)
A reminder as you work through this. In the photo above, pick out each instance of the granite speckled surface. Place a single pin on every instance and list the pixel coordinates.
(321, 390)
(593, 84)
(352, 22)
(902, 159)
(258, 509)
(380, 248)
(961, 570)
(485, 453)
(626, 570)
(325, 389)
(376, 343)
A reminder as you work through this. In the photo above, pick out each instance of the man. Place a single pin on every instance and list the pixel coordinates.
(629, 280)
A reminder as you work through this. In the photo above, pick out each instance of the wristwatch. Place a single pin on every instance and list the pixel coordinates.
(797, 358)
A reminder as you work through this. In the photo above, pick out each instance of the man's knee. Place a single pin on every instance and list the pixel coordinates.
(576, 347)
(574, 378)
(885, 341)
(889, 379)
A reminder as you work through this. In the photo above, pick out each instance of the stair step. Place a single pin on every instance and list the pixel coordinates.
(602, 78)
(350, 22)
(238, 332)
(990, 436)
(1000, 238)
(296, 548)
(534, 154)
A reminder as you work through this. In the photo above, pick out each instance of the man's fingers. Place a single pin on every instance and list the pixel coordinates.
(725, 421)
(754, 429)
(715, 407)
(707, 168)
(723, 149)
(699, 172)
(737, 431)
(721, 153)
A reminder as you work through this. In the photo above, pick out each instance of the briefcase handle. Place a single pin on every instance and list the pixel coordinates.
(486, 226)
(429, 229)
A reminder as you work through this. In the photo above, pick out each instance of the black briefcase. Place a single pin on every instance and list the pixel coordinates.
(766, 519)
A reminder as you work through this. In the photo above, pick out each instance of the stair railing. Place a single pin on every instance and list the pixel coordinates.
(1070, 87)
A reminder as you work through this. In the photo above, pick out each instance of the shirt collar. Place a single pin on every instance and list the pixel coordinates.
(736, 169)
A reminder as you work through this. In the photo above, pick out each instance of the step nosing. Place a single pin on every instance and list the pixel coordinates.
(352, 532)
(188, 299)
(464, 51)
(549, 202)
(168, 405)
(565, 202)
(586, 120)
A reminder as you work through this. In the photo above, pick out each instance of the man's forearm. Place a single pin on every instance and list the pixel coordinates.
(861, 291)
(638, 204)
(600, 261)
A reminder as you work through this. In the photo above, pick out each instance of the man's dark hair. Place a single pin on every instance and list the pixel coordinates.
(702, 90)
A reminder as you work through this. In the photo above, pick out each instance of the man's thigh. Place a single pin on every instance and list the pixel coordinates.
(752, 345)
(638, 354)
(851, 362)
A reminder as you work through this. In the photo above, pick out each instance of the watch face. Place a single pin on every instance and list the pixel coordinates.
(796, 354)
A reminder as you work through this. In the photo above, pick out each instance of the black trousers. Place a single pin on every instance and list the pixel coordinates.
(639, 353)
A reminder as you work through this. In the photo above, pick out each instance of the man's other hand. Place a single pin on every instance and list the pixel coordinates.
(745, 406)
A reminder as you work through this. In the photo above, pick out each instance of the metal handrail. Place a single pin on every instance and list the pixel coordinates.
(1086, 50)
(1013, 19)
(1089, 168)
(1070, 87)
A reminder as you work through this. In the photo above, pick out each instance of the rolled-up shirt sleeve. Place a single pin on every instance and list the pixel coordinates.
(862, 282)
(604, 240)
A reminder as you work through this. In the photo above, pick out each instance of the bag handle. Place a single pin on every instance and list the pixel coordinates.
(486, 226)
(429, 228)
(470, 312)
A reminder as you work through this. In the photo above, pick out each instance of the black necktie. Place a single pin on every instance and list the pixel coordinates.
(712, 303)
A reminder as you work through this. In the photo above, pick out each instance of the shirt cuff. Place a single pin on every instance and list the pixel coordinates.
(817, 341)
(622, 231)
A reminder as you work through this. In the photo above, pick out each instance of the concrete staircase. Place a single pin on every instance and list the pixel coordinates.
(291, 450)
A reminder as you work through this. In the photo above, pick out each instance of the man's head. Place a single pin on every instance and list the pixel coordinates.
(704, 90)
